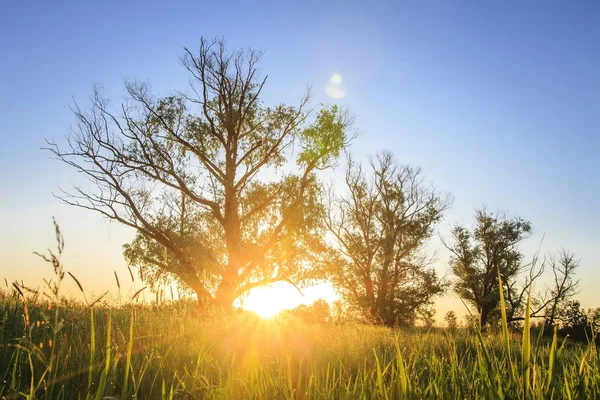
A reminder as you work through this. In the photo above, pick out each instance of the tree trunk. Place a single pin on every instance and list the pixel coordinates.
(225, 295)
(203, 296)
(389, 319)
(484, 317)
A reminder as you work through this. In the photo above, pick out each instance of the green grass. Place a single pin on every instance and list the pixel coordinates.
(69, 351)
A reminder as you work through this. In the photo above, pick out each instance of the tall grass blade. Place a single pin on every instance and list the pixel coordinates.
(526, 354)
(505, 334)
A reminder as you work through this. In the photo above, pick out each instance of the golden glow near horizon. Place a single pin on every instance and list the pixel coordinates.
(334, 87)
(270, 300)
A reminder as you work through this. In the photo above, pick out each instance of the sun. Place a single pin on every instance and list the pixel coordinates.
(270, 300)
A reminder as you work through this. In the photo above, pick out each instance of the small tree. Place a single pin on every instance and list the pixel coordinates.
(574, 321)
(478, 257)
(339, 312)
(317, 312)
(221, 190)
(451, 321)
(565, 285)
(594, 319)
(379, 227)
(491, 250)
(427, 317)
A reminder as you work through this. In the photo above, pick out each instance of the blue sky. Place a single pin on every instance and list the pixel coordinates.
(499, 102)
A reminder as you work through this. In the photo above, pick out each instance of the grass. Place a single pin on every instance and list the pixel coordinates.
(52, 348)
(156, 352)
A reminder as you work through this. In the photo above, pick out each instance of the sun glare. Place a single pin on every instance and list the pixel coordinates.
(263, 305)
(269, 301)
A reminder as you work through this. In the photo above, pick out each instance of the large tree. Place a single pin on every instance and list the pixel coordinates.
(220, 188)
(380, 225)
(479, 257)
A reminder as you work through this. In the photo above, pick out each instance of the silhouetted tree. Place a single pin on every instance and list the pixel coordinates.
(478, 256)
(565, 286)
(220, 188)
(317, 312)
(594, 318)
(451, 321)
(380, 225)
(574, 321)
(340, 312)
(427, 317)
(490, 250)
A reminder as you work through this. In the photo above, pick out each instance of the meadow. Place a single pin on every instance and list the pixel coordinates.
(65, 349)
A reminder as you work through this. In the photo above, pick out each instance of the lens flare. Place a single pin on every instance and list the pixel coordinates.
(335, 92)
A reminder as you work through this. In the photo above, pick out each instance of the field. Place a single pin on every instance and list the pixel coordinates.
(68, 351)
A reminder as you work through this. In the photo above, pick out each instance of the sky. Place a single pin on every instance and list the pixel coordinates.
(498, 102)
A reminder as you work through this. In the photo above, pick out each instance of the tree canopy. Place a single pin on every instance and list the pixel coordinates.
(221, 189)
(224, 194)
(380, 225)
(488, 254)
